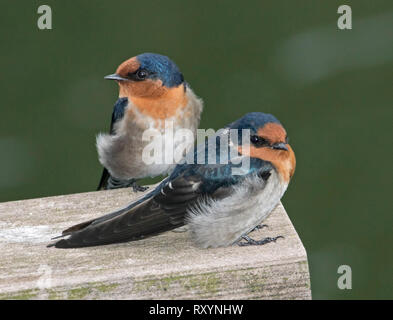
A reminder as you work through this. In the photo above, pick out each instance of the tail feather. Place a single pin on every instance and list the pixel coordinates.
(129, 225)
(142, 218)
(162, 209)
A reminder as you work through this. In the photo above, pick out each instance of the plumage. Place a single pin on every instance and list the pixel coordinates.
(152, 93)
(106, 180)
(220, 207)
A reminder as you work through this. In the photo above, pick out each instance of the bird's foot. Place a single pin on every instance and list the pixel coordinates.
(259, 227)
(252, 242)
(114, 183)
(137, 188)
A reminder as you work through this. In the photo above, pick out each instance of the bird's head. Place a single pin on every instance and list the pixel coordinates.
(153, 83)
(147, 75)
(268, 141)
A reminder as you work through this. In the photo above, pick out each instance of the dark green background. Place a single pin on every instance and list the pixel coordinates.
(331, 89)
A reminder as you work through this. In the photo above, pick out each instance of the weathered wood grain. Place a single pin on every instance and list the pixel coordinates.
(167, 266)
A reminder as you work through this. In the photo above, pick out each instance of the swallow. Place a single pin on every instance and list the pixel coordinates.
(152, 92)
(221, 208)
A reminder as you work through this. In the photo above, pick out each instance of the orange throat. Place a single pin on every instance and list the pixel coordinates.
(153, 99)
(283, 161)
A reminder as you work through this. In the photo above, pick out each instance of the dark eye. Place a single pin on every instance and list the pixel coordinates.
(139, 75)
(264, 175)
(258, 141)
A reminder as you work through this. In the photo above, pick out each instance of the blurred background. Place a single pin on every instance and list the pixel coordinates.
(331, 88)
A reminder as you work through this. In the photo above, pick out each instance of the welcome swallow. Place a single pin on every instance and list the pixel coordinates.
(221, 208)
(152, 91)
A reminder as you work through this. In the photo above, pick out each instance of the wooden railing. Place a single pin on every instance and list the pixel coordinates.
(167, 266)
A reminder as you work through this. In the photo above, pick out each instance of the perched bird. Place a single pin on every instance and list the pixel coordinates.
(220, 207)
(152, 91)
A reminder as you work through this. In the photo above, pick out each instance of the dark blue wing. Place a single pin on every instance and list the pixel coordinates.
(118, 111)
(117, 114)
(221, 173)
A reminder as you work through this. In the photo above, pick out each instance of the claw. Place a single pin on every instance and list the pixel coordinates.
(114, 183)
(136, 187)
(259, 227)
(252, 242)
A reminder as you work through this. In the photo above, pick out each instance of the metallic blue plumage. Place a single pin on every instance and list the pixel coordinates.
(161, 67)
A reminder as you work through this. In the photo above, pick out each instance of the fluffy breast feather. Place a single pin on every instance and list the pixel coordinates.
(216, 223)
(121, 152)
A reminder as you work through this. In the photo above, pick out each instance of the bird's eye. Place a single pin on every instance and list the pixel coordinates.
(141, 74)
(254, 139)
(258, 141)
(286, 139)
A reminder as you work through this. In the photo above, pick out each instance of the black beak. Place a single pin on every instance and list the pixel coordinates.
(115, 76)
(280, 146)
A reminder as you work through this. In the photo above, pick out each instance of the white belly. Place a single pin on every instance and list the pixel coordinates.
(223, 222)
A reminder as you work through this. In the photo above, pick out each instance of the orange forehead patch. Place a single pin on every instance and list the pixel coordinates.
(274, 132)
(128, 66)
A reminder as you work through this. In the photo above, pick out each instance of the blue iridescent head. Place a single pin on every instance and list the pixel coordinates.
(149, 66)
(253, 121)
(265, 130)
